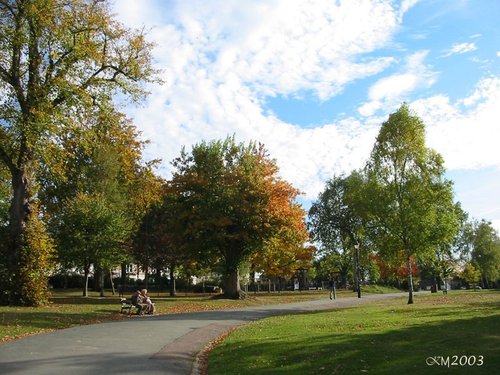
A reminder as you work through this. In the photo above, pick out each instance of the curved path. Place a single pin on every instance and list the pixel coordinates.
(165, 344)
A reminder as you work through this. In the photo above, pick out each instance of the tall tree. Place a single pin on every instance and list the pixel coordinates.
(411, 202)
(443, 262)
(159, 239)
(102, 157)
(471, 275)
(337, 219)
(91, 231)
(233, 203)
(59, 59)
(485, 252)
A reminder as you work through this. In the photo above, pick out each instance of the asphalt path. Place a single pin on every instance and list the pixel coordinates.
(146, 345)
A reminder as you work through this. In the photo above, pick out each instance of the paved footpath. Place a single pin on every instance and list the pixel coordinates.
(165, 344)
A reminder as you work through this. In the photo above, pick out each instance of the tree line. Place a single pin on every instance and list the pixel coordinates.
(76, 193)
(398, 214)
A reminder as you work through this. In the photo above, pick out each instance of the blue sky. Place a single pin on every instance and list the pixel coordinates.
(313, 80)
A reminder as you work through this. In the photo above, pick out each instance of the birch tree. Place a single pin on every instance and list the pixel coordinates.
(411, 203)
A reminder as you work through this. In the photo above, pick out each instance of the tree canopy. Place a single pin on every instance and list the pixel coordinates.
(411, 203)
(234, 204)
(337, 221)
(61, 62)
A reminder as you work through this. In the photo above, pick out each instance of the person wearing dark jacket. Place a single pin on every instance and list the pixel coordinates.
(138, 301)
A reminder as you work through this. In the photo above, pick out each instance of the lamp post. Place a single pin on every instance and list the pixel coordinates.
(356, 269)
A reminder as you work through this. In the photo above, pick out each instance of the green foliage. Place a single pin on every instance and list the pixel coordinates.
(485, 253)
(232, 203)
(336, 265)
(5, 197)
(37, 263)
(411, 205)
(338, 220)
(159, 241)
(470, 274)
(91, 230)
(59, 62)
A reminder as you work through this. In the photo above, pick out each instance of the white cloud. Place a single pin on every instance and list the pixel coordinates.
(466, 133)
(496, 225)
(222, 58)
(405, 6)
(460, 48)
(277, 47)
(390, 91)
(136, 14)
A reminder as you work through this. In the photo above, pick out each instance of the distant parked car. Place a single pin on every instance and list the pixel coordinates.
(477, 287)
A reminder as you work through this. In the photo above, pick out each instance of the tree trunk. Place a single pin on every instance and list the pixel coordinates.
(172, 280)
(111, 281)
(86, 281)
(232, 287)
(410, 281)
(102, 274)
(158, 279)
(123, 279)
(146, 276)
(18, 217)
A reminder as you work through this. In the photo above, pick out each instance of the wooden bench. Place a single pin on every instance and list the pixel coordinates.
(126, 306)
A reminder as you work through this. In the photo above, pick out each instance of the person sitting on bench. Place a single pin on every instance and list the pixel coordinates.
(150, 306)
(138, 301)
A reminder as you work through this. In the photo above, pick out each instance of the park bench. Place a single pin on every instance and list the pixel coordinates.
(126, 306)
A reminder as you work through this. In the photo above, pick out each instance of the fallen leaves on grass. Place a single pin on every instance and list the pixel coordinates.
(16, 337)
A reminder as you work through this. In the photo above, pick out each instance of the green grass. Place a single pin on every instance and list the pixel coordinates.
(68, 308)
(378, 289)
(388, 337)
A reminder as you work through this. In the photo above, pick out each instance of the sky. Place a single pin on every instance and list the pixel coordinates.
(313, 80)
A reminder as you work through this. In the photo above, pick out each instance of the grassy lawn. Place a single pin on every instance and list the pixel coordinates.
(388, 337)
(68, 308)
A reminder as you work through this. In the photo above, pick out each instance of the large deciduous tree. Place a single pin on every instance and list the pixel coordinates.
(91, 232)
(101, 161)
(159, 240)
(485, 252)
(59, 59)
(411, 202)
(234, 202)
(337, 221)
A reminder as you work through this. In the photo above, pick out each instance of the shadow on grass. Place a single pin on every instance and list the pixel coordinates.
(399, 351)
